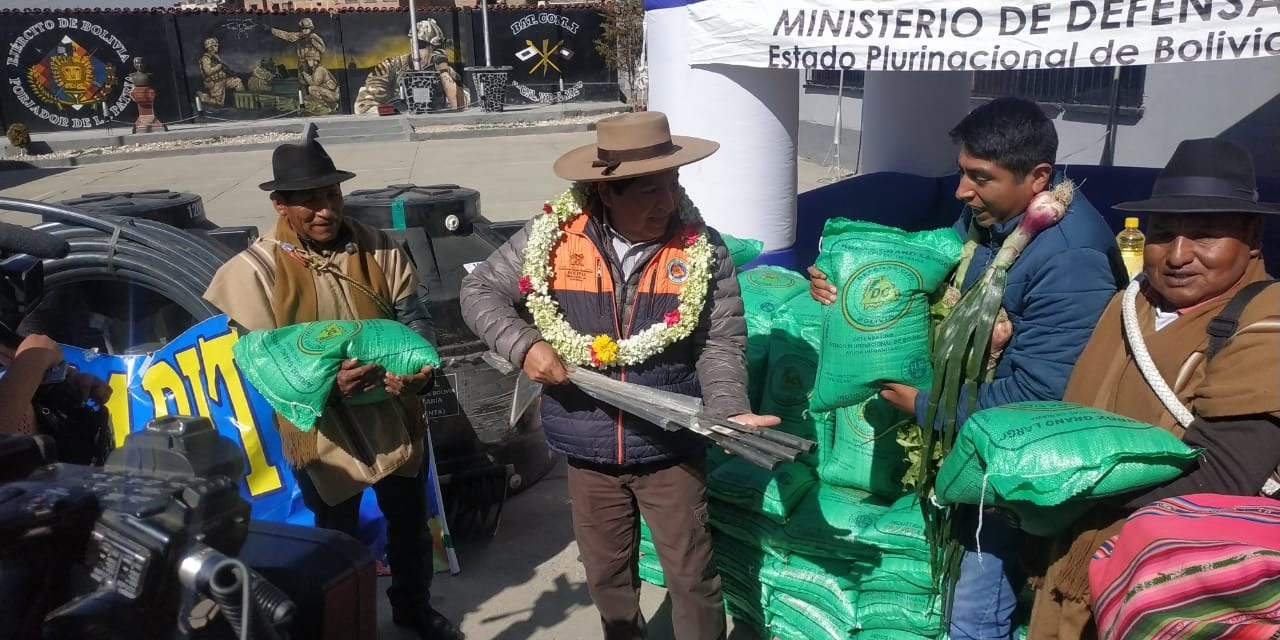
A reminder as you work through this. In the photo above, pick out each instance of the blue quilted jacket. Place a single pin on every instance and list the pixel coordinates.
(1057, 289)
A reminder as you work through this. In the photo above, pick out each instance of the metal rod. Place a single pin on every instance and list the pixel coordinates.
(746, 452)
(413, 35)
(772, 448)
(484, 27)
(1109, 148)
(781, 437)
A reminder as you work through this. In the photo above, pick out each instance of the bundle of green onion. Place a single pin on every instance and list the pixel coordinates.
(962, 358)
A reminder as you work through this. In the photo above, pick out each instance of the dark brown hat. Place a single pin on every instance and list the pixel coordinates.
(1205, 176)
(303, 165)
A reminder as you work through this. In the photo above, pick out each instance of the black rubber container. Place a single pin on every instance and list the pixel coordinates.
(174, 208)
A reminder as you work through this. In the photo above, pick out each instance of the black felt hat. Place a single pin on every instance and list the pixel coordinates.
(303, 165)
(1205, 176)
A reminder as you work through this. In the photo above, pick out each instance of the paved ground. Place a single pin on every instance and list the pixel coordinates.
(526, 582)
(512, 173)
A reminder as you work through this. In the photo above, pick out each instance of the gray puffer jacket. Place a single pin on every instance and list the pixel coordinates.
(577, 425)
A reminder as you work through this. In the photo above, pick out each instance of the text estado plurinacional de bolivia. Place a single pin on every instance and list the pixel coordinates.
(967, 23)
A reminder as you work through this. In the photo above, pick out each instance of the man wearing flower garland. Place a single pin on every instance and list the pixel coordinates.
(620, 274)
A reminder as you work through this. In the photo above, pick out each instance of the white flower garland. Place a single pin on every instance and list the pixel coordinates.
(603, 351)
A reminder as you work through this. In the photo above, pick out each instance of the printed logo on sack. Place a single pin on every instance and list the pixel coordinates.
(677, 271)
(316, 339)
(917, 366)
(771, 279)
(876, 296)
(791, 380)
(855, 418)
(862, 521)
(67, 71)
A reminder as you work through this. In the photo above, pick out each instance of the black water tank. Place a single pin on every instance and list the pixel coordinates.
(440, 209)
(443, 230)
(174, 208)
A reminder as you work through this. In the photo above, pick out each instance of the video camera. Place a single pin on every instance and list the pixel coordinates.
(153, 541)
(128, 550)
(82, 432)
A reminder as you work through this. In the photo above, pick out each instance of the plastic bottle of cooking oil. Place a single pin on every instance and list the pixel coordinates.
(1132, 242)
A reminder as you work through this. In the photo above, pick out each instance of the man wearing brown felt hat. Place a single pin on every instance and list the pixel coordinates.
(621, 275)
(316, 264)
(1191, 346)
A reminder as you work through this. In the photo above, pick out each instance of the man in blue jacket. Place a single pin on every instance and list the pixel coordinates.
(1056, 291)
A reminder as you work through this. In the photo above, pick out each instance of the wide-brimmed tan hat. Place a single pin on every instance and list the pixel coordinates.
(632, 145)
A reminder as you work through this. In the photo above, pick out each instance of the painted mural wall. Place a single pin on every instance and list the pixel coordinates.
(552, 54)
(75, 70)
(246, 67)
(377, 52)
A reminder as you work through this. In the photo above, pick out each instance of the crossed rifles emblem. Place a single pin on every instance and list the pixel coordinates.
(544, 54)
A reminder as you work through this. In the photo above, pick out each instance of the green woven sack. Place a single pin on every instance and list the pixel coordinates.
(863, 450)
(793, 361)
(737, 559)
(764, 290)
(893, 634)
(1047, 453)
(650, 568)
(717, 456)
(743, 611)
(772, 494)
(812, 582)
(739, 567)
(878, 328)
(900, 530)
(823, 426)
(295, 367)
(831, 523)
(746, 526)
(811, 620)
(918, 614)
(780, 629)
(891, 572)
(742, 250)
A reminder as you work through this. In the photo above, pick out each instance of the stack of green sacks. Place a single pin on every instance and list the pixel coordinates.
(829, 546)
(803, 560)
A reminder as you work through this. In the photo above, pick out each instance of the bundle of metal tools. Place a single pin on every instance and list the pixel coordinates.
(760, 446)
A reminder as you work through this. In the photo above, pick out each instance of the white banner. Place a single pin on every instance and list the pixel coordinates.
(980, 35)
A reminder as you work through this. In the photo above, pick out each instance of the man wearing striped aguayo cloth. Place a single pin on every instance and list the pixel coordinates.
(1167, 352)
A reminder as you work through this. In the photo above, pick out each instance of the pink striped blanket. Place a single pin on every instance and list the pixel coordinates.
(1193, 567)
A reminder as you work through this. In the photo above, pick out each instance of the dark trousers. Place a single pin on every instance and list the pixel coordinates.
(607, 505)
(403, 500)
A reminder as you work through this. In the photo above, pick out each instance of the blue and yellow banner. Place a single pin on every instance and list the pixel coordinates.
(196, 375)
